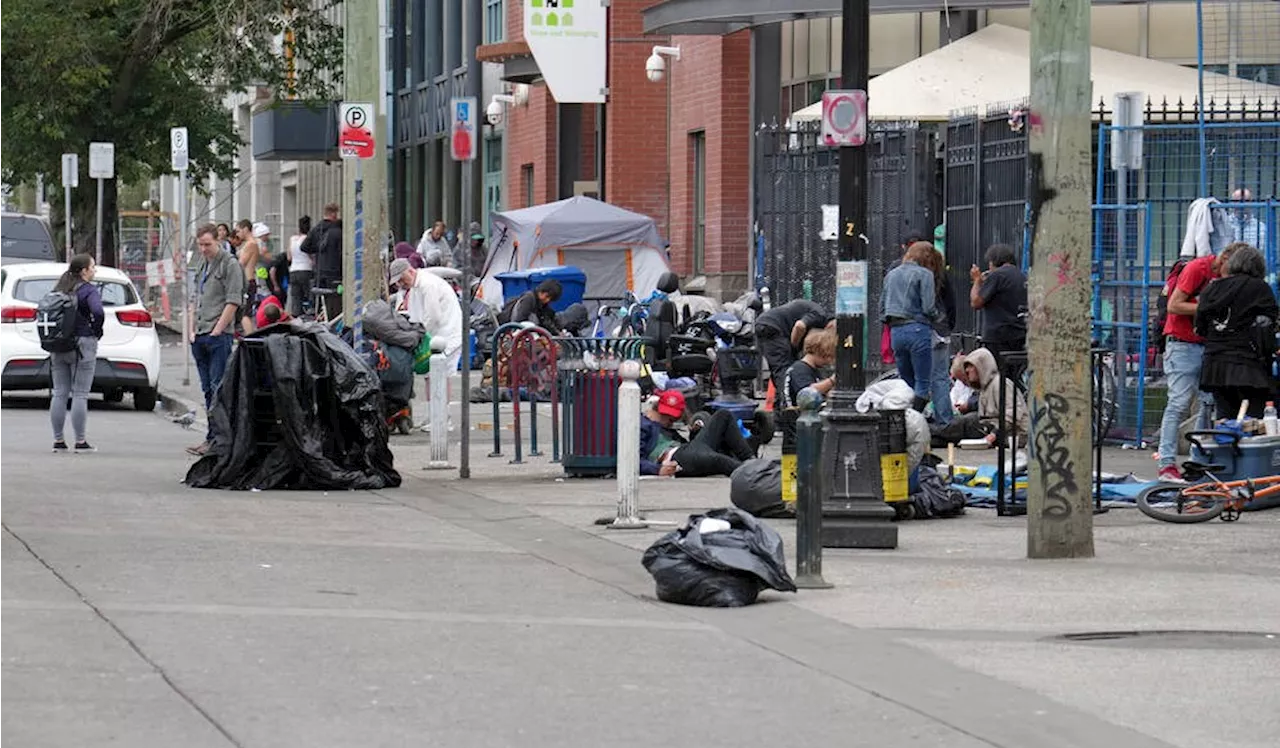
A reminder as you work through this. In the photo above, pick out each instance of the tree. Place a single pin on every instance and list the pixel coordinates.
(126, 71)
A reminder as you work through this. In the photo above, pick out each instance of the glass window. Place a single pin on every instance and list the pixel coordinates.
(698, 147)
(495, 22)
(526, 179)
(113, 292)
(493, 154)
(27, 238)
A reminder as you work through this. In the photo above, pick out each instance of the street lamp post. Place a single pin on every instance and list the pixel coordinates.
(854, 512)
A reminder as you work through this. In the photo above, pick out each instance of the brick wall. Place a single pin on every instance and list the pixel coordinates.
(636, 159)
(710, 92)
(531, 139)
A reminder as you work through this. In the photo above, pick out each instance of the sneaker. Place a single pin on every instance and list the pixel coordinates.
(1170, 474)
(84, 448)
(60, 447)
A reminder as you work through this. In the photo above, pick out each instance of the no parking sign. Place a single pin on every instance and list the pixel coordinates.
(844, 117)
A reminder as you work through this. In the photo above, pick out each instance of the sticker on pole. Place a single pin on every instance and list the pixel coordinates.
(851, 288)
(462, 133)
(355, 130)
(179, 148)
(844, 117)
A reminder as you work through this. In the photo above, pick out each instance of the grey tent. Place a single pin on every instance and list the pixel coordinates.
(617, 249)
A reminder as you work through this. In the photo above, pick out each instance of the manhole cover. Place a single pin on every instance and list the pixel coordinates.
(1174, 639)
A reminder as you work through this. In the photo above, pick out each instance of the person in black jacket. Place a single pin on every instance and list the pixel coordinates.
(324, 243)
(535, 307)
(1236, 316)
(780, 333)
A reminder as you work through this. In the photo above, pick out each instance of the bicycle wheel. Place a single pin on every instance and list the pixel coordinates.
(1167, 503)
(1104, 407)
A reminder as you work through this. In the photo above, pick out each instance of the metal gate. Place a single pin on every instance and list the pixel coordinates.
(796, 175)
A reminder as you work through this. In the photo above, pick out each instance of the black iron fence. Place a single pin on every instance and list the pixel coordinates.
(796, 176)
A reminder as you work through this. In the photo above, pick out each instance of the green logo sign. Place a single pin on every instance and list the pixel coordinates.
(553, 13)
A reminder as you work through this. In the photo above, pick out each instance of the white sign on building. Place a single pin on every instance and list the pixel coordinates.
(569, 41)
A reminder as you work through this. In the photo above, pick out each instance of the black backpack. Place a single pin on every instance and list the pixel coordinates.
(56, 321)
(1156, 333)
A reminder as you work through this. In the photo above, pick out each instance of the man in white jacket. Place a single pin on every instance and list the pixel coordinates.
(431, 301)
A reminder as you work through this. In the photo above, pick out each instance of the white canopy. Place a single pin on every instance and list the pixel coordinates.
(993, 65)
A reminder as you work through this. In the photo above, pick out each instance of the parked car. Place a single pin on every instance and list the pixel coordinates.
(128, 354)
(26, 238)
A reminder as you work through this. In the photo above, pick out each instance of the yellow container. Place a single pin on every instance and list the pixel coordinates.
(788, 479)
(893, 471)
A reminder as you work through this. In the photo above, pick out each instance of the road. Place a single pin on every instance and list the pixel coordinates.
(140, 613)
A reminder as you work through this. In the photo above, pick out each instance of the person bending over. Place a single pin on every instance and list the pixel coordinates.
(717, 449)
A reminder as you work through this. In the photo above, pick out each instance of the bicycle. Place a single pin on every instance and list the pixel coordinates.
(1200, 502)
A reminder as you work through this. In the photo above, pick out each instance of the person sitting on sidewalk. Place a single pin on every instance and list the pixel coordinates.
(718, 448)
(535, 307)
(270, 311)
(979, 371)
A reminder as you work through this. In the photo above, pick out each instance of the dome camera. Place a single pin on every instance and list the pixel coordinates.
(655, 67)
(493, 113)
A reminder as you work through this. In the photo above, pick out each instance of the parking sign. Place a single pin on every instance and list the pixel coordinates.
(463, 140)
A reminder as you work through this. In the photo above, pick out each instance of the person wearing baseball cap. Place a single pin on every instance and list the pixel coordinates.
(718, 448)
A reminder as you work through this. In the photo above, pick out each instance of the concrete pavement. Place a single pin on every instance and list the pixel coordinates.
(492, 613)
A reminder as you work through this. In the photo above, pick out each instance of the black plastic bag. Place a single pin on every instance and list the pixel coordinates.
(297, 409)
(756, 488)
(935, 499)
(725, 569)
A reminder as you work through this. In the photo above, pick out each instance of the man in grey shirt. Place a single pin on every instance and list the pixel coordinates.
(219, 291)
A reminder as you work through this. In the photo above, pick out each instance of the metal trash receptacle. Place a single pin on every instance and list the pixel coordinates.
(588, 379)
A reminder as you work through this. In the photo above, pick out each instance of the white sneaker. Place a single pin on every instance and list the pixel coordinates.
(426, 427)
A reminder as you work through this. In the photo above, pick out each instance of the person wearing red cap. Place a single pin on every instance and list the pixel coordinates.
(717, 449)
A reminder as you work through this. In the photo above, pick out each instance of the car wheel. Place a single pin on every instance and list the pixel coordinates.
(113, 396)
(145, 400)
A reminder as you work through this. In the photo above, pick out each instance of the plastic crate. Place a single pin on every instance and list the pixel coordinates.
(573, 283)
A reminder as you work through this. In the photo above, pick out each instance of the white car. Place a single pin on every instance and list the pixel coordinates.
(128, 353)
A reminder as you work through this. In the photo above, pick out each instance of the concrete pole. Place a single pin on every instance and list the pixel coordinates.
(188, 295)
(363, 84)
(438, 379)
(628, 469)
(1059, 515)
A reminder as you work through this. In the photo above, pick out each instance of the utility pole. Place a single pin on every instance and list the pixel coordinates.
(1059, 511)
(362, 76)
(855, 514)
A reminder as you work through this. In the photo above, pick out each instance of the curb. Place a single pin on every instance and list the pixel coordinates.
(178, 405)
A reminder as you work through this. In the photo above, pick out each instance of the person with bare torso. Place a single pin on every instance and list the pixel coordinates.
(248, 257)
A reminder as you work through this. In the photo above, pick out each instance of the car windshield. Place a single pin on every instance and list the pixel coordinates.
(114, 293)
(26, 238)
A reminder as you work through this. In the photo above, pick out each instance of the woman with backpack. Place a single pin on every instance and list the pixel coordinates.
(73, 369)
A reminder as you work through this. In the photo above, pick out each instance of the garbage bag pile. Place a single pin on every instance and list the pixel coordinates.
(721, 559)
(756, 488)
(297, 409)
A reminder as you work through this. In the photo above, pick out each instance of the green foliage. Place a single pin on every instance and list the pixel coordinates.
(126, 71)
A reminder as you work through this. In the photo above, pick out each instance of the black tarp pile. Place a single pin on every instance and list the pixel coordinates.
(721, 559)
(297, 409)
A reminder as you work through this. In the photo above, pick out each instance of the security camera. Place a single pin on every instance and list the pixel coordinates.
(655, 67)
(493, 113)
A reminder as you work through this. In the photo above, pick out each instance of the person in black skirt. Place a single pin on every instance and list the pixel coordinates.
(1236, 316)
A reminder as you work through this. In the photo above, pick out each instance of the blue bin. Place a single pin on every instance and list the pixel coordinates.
(572, 280)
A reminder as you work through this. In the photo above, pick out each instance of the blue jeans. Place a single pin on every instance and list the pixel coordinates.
(211, 354)
(941, 382)
(1182, 375)
(913, 347)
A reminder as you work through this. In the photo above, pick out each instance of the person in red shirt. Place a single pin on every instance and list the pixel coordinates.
(270, 311)
(1184, 352)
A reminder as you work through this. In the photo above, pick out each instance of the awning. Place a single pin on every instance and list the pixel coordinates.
(993, 65)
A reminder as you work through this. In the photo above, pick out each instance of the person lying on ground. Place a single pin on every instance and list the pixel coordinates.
(718, 448)
(269, 308)
(979, 371)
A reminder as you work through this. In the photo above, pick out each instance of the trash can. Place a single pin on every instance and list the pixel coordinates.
(587, 374)
(893, 455)
(573, 283)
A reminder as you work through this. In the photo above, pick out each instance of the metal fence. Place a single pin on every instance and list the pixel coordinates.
(149, 256)
(796, 176)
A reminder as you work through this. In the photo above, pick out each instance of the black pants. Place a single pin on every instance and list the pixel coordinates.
(1226, 401)
(775, 346)
(717, 449)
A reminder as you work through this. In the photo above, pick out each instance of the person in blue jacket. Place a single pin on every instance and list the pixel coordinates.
(718, 448)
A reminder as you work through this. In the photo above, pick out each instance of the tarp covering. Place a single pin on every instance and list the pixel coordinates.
(993, 65)
(617, 249)
(297, 409)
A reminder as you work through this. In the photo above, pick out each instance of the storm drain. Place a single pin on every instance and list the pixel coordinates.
(1173, 639)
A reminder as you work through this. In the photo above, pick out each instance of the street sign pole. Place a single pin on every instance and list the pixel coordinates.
(179, 152)
(70, 180)
(97, 244)
(465, 121)
(102, 166)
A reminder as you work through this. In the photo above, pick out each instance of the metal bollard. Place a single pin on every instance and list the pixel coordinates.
(438, 381)
(628, 469)
(809, 494)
